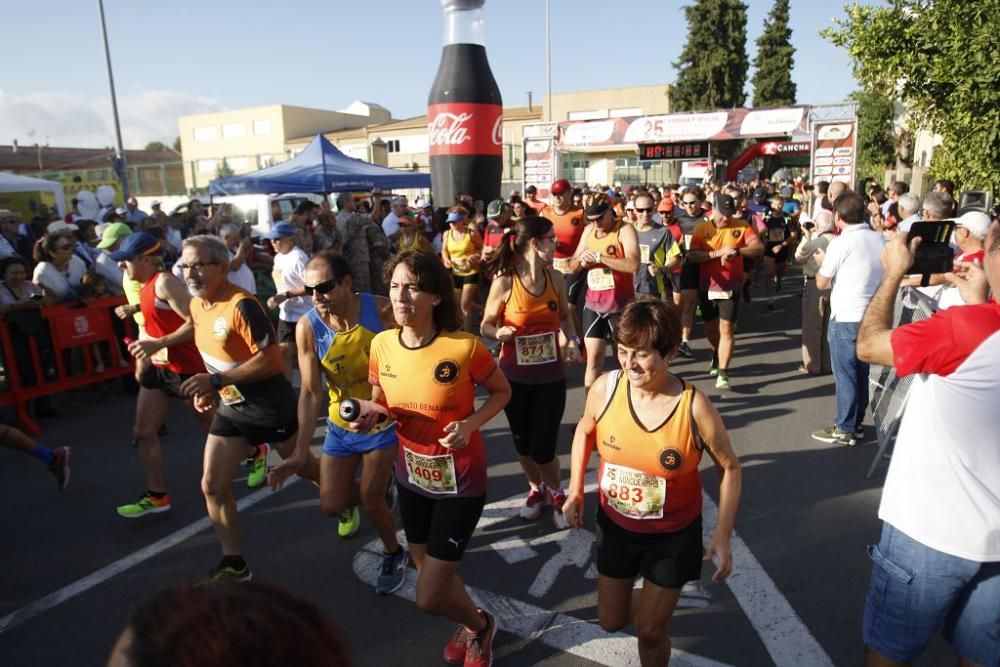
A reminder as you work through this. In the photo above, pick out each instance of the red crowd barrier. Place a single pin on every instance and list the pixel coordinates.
(72, 326)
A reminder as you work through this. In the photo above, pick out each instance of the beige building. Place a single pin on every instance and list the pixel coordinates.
(254, 138)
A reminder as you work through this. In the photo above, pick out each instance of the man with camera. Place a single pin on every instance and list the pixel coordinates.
(937, 565)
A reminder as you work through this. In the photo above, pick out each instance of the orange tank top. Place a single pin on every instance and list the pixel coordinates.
(608, 291)
(533, 357)
(648, 479)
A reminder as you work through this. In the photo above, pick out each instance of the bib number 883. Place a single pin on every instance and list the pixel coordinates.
(631, 494)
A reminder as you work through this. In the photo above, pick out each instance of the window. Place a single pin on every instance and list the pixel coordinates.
(205, 133)
(207, 166)
(262, 127)
(392, 145)
(234, 130)
(627, 162)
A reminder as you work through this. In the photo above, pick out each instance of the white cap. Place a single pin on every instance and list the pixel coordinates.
(154, 203)
(977, 223)
(59, 226)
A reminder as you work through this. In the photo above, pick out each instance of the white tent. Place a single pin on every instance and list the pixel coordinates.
(16, 183)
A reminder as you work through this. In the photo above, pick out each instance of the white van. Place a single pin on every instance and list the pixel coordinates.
(256, 209)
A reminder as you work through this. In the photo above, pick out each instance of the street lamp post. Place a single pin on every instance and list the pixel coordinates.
(548, 58)
(121, 165)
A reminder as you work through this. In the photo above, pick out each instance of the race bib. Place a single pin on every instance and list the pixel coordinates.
(643, 254)
(632, 493)
(230, 395)
(600, 280)
(776, 235)
(719, 294)
(161, 358)
(537, 349)
(561, 264)
(434, 474)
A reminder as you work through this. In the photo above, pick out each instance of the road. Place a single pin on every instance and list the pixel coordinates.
(73, 570)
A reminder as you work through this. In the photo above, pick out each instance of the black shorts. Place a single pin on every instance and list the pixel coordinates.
(286, 331)
(727, 309)
(461, 281)
(690, 275)
(273, 420)
(675, 281)
(668, 560)
(535, 412)
(600, 325)
(576, 288)
(164, 379)
(779, 257)
(445, 525)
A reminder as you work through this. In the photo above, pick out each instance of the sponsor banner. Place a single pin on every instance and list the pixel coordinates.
(540, 165)
(834, 151)
(465, 129)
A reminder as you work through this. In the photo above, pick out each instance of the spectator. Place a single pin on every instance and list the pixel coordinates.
(134, 217)
(291, 300)
(11, 242)
(937, 565)
(354, 241)
(896, 189)
(970, 236)
(532, 201)
(58, 271)
(944, 185)
(302, 218)
(851, 267)
(908, 210)
(325, 236)
(104, 265)
(937, 206)
(240, 249)
(19, 304)
(390, 223)
(239, 624)
(816, 236)
(817, 204)
(410, 237)
(157, 217)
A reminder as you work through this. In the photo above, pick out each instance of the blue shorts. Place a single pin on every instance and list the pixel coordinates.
(341, 442)
(917, 592)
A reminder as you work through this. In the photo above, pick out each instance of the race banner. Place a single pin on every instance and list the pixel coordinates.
(834, 151)
(540, 164)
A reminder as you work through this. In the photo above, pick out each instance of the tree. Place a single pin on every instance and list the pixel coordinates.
(156, 146)
(939, 59)
(876, 141)
(177, 144)
(772, 77)
(224, 170)
(712, 69)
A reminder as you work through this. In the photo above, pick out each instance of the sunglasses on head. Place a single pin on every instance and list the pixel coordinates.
(323, 288)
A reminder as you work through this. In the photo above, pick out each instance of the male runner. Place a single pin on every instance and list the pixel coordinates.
(245, 370)
(568, 224)
(334, 340)
(690, 216)
(291, 299)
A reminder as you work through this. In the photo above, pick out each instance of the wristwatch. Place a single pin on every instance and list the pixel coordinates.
(215, 380)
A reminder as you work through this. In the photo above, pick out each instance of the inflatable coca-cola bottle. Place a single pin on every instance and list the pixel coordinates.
(464, 111)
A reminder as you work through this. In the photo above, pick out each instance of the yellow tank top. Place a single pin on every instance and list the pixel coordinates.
(461, 252)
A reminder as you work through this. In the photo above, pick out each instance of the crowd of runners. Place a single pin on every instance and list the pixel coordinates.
(391, 318)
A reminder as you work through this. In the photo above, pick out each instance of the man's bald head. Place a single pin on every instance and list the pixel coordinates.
(836, 189)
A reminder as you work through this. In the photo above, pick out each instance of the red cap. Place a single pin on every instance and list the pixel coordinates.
(560, 186)
(666, 205)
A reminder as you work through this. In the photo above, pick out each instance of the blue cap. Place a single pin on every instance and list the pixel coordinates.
(455, 216)
(611, 193)
(281, 229)
(139, 243)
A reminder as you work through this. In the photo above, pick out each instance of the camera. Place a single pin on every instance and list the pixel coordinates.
(934, 254)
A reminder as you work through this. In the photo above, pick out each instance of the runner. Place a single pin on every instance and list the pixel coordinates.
(460, 250)
(609, 253)
(168, 357)
(658, 254)
(568, 224)
(527, 311)
(718, 248)
(691, 215)
(333, 343)
(245, 369)
(291, 299)
(781, 235)
(58, 460)
(649, 497)
(498, 213)
(426, 374)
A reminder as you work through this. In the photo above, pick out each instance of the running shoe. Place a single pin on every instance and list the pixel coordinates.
(713, 370)
(454, 650)
(348, 522)
(257, 463)
(223, 573)
(834, 435)
(479, 651)
(392, 573)
(556, 500)
(722, 381)
(146, 504)
(859, 434)
(685, 350)
(392, 493)
(60, 466)
(533, 504)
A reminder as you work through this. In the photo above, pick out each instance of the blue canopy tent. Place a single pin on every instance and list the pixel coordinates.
(320, 168)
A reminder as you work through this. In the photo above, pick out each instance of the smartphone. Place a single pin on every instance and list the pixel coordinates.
(934, 254)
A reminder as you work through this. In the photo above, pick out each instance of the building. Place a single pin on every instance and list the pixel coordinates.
(244, 140)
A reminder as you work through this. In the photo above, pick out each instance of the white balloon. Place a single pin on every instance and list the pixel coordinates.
(87, 204)
(105, 195)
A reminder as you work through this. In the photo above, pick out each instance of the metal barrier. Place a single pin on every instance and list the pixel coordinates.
(72, 326)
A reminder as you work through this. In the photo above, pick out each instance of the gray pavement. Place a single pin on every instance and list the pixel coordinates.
(806, 516)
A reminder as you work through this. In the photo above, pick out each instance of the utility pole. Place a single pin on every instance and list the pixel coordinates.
(120, 164)
(548, 58)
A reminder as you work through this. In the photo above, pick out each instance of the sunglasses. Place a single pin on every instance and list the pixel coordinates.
(643, 210)
(323, 288)
(689, 203)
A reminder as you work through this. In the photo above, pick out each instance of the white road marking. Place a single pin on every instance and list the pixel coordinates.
(33, 609)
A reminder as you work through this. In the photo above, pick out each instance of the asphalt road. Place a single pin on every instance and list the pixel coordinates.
(796, 597)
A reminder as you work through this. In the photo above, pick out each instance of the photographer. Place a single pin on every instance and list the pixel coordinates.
(937, 566)
(816, 236)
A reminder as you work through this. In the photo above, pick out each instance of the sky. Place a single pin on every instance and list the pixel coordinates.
(182, 57)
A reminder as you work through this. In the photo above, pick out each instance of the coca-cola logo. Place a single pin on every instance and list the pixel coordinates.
(449, 129)
(498, 131)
